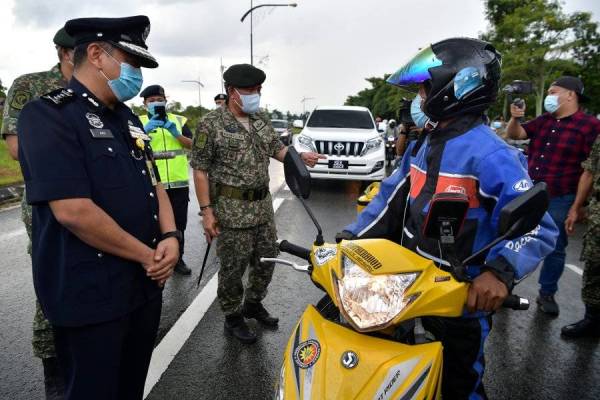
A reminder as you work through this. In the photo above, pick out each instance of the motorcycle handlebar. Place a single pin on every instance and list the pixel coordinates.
(295, 250)
(516, 303)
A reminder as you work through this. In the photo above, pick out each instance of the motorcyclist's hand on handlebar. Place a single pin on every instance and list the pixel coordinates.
(210, 225)
(343, 235)
(486, 293)
(517, 112)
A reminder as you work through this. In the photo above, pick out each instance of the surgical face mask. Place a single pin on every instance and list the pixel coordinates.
(250, 102)
(151, 107)
(551, 103)
(418, 116)
(128, 84)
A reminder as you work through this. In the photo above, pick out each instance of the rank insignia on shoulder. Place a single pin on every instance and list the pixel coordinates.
(258, 124)
(59, 97)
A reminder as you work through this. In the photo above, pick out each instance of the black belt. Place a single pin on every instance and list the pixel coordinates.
(598, 196)
(233, 192)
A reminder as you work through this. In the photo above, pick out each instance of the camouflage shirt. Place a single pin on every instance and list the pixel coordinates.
(234, 156)
(591, 242)
(24, 89)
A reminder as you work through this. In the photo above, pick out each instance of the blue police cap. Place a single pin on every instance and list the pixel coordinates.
(128, 34)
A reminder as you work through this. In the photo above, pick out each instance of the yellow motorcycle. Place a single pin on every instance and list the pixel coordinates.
(365, 338)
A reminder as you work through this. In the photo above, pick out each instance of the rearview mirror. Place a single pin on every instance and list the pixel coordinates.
(297, 176)
(298, 123)
(447, 212)
(524, 213)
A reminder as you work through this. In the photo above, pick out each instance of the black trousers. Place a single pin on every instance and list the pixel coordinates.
(109, 360)
(464, 364)
(180, 197)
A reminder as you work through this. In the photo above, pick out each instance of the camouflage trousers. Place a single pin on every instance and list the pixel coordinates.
(237, 249)
(590, 291)
(43, 336)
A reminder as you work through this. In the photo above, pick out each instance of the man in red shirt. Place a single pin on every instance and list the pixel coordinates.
(561, 140)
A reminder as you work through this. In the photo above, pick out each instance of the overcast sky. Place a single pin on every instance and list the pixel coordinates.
(322, 49)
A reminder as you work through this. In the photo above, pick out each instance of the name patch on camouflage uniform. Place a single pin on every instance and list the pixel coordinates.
(233, 135)
(231, 128)
(20, 98)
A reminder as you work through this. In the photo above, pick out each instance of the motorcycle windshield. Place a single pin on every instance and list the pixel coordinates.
(416, 70)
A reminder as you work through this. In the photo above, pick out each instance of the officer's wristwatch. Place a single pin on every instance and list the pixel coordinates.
(176, 234)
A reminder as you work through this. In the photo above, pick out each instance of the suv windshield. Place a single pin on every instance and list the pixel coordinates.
(279, 124)
(352, 119)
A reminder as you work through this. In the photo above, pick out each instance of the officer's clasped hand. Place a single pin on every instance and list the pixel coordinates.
(172, 128)
(153, 124)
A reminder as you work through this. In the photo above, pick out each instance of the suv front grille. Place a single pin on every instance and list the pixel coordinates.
(338, 148)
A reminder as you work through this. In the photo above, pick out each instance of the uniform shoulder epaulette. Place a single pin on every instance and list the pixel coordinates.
(59, 97)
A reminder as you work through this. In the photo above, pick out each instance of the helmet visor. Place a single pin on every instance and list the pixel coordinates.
(416, 70)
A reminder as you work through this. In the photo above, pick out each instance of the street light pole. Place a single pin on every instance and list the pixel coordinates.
(252, 8)
(200, 85)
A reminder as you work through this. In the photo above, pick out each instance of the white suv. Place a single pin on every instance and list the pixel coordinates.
(348, 137)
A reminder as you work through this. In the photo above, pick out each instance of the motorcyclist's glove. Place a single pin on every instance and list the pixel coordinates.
(344, 235)
(502, 270)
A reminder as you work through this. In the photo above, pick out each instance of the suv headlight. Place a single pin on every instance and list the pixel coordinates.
(306, 142)
(372, 301)
(371, 145)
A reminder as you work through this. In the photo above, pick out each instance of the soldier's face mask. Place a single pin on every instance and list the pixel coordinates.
(250, 102)
(128, 84)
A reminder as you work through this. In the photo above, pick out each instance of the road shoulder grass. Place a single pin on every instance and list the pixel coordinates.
(10, 171)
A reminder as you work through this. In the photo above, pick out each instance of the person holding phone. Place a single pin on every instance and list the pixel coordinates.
(561, 139)
(170, 137)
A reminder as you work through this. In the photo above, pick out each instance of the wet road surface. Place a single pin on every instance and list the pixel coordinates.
(526, 358)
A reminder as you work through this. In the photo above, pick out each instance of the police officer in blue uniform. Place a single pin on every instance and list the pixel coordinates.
(104, 237)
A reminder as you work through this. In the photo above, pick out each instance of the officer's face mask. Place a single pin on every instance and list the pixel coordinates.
(151, 107)
(128, 84)
(418, 116)
(250, 102)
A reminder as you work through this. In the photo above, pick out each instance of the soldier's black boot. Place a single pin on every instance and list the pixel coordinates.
(235, 325)
(259, 313)
(182, 268)
(54, 381)
(589, 326)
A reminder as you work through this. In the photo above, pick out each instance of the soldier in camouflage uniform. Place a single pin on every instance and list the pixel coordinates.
(589, 183)
(24, 89)
(230, 158)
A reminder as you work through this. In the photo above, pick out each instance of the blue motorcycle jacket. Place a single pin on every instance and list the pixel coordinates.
(469, 158)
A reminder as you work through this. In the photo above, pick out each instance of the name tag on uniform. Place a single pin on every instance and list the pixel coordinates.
(232, 135)
(102, 134)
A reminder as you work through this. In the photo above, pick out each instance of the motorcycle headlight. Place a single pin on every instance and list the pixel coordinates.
(371, 145)
(306, 142)
(372, 301)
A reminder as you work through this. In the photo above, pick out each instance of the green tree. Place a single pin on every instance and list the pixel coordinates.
(540, 42)
(381, 98)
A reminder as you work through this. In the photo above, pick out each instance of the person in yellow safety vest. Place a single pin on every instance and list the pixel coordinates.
(220, 100)
(169, 138)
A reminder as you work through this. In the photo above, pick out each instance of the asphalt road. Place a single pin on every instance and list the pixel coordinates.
(526, 358)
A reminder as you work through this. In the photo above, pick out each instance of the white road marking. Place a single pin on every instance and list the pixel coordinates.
(12, 234)
(173, 341)
(179, 333)
(574, 268)
(11, 208)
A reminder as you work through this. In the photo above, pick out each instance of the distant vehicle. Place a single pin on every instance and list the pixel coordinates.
(348, 137)
(282, 127)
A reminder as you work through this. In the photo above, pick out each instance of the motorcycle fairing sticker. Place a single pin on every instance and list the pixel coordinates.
(396, 376)
(304, 356)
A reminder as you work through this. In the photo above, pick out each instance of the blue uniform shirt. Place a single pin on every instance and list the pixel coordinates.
(72, 146)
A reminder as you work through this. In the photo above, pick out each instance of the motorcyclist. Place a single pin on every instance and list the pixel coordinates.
(457, 80)
(392, 129)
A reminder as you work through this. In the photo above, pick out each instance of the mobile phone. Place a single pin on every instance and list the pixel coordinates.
(447, 213)
(161, 112)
